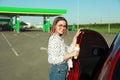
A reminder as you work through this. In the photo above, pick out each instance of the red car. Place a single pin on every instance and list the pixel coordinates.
(96, 61)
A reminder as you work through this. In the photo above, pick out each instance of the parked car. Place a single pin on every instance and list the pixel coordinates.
(96, 61)
(111, 68)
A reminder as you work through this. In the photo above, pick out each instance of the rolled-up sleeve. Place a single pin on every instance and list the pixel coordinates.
(54, 51)
(70, 48)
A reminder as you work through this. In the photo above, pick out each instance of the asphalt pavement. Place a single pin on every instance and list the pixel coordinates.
(23, 56)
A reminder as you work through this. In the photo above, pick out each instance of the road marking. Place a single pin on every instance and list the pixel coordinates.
(15, 52)
(28, 35)
(6, 39)
(10, 45)
(14, 34)
(43, 48)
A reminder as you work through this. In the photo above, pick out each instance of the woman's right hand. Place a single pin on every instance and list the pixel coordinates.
(75, 53)
(72, 54)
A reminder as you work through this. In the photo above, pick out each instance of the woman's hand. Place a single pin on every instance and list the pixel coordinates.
(72, 54)
(76, 53)
(76, 35)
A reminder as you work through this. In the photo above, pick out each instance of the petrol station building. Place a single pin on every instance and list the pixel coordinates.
(7, 14)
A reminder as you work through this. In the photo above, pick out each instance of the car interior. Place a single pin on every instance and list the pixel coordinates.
(93, 53)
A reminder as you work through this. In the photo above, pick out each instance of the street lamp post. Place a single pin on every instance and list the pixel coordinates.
(108, 15)
(78, 14)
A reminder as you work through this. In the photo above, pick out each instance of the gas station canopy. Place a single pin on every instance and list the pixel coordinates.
(12, 11)
(17, 11)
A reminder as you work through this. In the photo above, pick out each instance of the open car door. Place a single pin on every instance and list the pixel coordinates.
(93, 53)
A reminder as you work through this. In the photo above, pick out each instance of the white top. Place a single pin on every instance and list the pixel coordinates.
(57, 49)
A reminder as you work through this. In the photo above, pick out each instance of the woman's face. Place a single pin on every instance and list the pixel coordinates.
(60, 27)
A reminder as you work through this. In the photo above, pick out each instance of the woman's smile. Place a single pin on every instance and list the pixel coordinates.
(60, 27)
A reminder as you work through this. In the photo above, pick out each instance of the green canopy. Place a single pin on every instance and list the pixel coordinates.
(31, 11)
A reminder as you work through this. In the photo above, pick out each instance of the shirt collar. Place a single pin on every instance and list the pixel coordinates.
(59, 37)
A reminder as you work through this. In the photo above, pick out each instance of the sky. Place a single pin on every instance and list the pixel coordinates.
(78, 11)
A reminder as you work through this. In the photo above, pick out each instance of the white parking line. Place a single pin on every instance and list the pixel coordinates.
(43, 48)
(27, 35)
(6, 39)
(15, 52)
(10, 45)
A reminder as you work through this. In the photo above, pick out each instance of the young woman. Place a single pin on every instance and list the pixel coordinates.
(59, 55)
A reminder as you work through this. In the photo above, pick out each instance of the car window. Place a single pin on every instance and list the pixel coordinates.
(116, 73)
